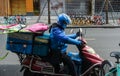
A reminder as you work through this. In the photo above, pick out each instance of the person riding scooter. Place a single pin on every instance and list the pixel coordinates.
(59, 41)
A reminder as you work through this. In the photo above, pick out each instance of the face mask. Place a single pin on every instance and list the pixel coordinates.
(64, 26)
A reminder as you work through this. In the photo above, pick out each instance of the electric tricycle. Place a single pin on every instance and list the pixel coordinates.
(33, 48)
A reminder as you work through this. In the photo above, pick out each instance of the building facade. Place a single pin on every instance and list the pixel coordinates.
(35, 7)
(16, 7)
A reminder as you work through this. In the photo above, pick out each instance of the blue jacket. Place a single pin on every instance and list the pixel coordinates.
(59, 39)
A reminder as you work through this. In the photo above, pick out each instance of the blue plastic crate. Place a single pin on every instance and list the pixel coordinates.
(41, 45)
(20, 42)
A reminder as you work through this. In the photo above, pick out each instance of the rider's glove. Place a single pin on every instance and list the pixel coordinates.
(78, 33)
(82, 43)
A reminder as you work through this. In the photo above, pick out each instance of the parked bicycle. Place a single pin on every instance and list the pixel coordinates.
(18, 19)
(81, 20)
(115, 71)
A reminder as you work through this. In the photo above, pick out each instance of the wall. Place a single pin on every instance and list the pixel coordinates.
(16, 7)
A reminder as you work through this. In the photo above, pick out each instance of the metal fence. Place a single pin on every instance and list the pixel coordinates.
(68, 6)
(113, 5)
(79, 11)
(78, 7)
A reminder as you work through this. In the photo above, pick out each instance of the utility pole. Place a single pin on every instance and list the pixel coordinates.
(92, 7)
(49, 20)
(106, 8)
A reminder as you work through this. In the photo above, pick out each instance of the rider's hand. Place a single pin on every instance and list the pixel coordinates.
(83, 43)
(78, 33)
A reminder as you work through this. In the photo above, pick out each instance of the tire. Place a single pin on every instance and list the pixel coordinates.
(101, 70)
(106, 66)
(93, 70)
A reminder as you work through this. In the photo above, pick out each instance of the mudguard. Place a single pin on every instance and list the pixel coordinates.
(91, 55)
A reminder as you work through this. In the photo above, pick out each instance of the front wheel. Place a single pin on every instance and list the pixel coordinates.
(106, 66)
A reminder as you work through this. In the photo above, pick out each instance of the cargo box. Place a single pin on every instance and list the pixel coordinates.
(20, 42)
(28, 43)
(41, 45)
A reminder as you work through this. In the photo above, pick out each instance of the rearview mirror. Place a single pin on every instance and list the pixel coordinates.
(80, 30)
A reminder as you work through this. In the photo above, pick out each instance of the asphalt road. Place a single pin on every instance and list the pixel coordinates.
(103, 40)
